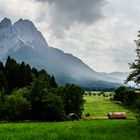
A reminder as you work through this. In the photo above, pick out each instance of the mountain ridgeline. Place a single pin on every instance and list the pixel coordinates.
(23, 42)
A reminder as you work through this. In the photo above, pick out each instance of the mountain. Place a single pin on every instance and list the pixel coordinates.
(119, 76)
(24, 42)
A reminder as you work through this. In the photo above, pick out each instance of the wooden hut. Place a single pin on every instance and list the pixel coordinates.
(73, 116)
(117, 115)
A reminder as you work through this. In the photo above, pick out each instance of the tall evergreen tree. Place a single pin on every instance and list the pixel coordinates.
(11, 69)
(135, 73)
(135, 66)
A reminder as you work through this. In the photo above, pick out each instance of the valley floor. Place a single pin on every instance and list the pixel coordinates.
(88, 129)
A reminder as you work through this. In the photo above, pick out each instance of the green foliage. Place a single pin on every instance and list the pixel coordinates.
(29, 94)
(89, 93)
(53, 108)
(3, 82)
(135, 67)
(119, 93)
(126, 96)
(135, 73)
(129, 98)
(46, 105)
(73, 99)
(87, 114)
(18, 107)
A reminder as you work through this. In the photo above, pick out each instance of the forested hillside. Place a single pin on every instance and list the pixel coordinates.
(29, 94)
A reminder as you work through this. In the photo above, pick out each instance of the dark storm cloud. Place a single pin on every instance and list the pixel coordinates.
(67, 12)
(86, 11)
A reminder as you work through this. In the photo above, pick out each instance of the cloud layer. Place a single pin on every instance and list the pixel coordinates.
(69, 11)
(100, 32)
(65, 13)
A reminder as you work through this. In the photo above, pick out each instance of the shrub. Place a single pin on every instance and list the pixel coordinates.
(87, 114)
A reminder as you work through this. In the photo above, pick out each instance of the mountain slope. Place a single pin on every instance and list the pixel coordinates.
(24, 42)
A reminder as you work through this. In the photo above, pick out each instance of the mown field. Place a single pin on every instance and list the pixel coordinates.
(101, 129)
(99, 107)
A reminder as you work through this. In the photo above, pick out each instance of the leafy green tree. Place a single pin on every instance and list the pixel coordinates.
(119, 93)
(14, 107)
(135, 73)
(53, 108)
(45, 105)
(72, 98)
(135, 66)
(18, 107)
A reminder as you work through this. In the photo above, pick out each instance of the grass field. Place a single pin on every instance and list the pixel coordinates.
(99, 106)
(78, 130)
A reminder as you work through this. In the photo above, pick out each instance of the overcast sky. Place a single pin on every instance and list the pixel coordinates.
(99, 32)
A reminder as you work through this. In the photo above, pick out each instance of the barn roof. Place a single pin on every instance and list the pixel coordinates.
(117, 115)
(73, 114)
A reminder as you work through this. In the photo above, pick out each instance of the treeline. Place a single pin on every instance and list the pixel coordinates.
(29, 94)
(129, 98)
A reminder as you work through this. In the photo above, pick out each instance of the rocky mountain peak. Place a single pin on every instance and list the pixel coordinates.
(5, 23)
(27, 31)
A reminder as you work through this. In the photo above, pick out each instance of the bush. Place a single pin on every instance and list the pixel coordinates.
(85, 93)
(119, 93)
(87, 114)
(17, 108)
(89, 93)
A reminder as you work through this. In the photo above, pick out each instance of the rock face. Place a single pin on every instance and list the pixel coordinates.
(24, 42)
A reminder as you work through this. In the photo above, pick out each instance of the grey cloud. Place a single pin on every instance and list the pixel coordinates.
(86, 11)
(67, 12)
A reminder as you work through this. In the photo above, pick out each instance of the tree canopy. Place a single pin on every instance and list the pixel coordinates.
(29, 94)
(135, 66)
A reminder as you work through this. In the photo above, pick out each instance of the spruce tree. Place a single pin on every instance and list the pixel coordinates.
(135, 66)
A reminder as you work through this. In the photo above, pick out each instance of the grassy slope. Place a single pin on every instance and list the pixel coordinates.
(99, 106)
(80, 130)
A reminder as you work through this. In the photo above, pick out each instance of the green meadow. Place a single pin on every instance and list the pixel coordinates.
(99, 107)
(77, 130)
(94, 127)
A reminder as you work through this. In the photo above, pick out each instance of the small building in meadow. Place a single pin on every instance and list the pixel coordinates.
(73, 116)
(117, 115)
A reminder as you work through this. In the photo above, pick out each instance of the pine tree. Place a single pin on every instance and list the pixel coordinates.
(135, 66)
